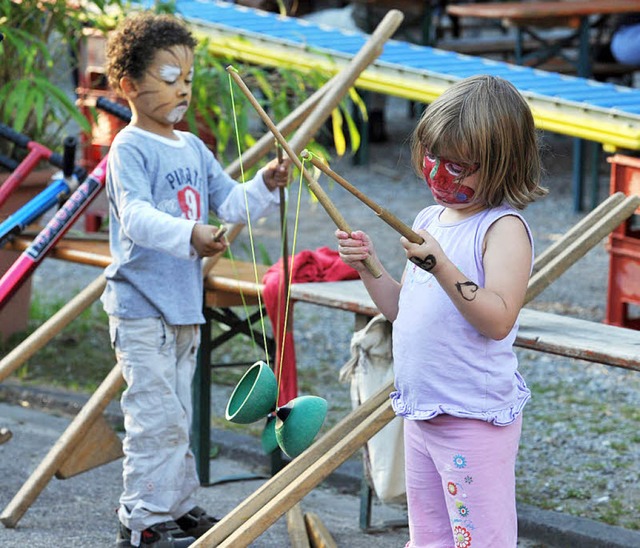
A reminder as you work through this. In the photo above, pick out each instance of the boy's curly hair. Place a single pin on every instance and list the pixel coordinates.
(131, 47)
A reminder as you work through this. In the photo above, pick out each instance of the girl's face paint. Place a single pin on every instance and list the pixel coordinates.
(444, 178)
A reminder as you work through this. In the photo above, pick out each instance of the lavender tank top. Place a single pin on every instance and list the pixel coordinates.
(442, 365)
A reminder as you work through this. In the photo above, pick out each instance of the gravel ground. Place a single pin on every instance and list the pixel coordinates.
(580, 445)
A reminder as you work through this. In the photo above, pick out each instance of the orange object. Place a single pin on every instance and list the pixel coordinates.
(624, 249)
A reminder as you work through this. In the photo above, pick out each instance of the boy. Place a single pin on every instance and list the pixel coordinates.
(161, 185)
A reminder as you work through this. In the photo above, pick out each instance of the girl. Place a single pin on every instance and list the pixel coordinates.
(455, 314)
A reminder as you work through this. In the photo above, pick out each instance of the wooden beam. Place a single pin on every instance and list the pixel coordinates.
(318, 534)
(297, 528)
(99, 446)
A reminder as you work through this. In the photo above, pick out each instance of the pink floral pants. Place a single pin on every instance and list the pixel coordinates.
(460, 476)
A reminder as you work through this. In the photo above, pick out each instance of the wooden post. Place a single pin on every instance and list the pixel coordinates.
(41, 336)
(576, 230)
(281, 500)
(290, 473)
(578, 246)
(297, 529)
(318, 533)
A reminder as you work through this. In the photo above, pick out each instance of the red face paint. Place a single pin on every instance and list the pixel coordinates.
(443, 177)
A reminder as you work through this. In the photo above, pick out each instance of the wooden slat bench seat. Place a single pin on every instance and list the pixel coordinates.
(232, 281)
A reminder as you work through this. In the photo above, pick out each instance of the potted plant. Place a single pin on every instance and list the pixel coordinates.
(37, 98)
(37, 57)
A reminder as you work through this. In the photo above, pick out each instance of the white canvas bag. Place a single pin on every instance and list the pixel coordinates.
(369, 369)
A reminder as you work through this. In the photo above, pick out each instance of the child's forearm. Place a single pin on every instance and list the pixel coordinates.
(384, 291)
(483, 308)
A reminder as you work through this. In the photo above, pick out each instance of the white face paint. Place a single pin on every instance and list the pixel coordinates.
(169, 73)
(176, 114)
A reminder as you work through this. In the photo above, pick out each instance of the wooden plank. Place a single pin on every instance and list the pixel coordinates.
(99, 446)
(537, 11)
(297, 528)
(348, 295)
(318, 532)
(582, 339)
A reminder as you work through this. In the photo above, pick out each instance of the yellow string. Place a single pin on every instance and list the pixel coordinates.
(290, 280)
(253, 254)
(251, 242)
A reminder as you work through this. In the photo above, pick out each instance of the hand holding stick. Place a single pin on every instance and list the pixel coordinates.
(324, 200)
(428, 262)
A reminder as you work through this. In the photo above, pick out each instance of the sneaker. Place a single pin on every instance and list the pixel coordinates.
(196, 522)
(160, 535)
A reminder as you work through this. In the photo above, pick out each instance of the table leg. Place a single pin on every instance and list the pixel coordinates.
(584, 71)
(201, 440)
(578, 173)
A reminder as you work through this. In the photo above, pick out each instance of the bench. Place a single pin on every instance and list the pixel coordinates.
(232, 283)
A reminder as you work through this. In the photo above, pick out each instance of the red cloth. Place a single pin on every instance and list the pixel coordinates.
(322, 265)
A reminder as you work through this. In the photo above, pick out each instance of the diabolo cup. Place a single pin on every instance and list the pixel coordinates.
(255, 395)
(298, 422)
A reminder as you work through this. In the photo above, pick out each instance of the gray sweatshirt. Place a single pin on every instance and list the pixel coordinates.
(158, 189)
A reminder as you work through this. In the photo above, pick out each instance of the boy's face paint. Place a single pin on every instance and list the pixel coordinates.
(165, 90)
(444, 178)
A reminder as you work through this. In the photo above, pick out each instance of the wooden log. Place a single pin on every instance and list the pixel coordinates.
(297, 528)
(318, 533)
(346, 78)
(41, 336)
(579, 246)
(552, 251)
(99, 446)
(283, 499)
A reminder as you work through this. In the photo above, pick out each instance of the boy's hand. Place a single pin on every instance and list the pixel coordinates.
(276, 174)
(207, 240)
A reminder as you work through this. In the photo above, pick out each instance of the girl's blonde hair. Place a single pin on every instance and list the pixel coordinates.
(484, 121)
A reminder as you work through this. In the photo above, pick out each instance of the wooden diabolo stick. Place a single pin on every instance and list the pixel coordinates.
(384, 214)
(324, 200)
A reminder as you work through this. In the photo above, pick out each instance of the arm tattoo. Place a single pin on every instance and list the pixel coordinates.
(426, 264)
(467, 290)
